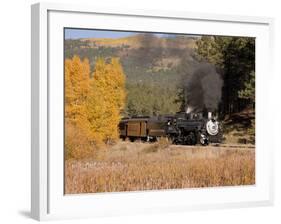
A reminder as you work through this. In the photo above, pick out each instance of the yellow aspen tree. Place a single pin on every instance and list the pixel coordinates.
(106, 100)
(77, 83)
(96, 104)
(116, 97)
(77, 86)
(118, 84)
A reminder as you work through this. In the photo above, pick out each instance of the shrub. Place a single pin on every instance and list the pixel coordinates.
(77, 145)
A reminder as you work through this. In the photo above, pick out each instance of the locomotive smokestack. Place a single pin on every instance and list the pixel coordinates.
(189, 109)
(209, 115)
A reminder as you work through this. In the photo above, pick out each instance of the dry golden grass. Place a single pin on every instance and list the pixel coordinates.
(142, 166)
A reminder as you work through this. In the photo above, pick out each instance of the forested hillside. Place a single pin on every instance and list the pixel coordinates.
(165, 74)
(154, 68)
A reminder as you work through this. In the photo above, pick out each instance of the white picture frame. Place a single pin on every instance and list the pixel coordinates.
(47, 198)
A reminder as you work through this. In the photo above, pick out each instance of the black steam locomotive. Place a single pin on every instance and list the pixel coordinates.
(181, 128)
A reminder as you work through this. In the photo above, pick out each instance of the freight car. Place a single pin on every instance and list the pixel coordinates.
(181, 128)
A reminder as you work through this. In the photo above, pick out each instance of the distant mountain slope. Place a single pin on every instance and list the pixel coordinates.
(143, 56)
(137, 41)
(132, 41)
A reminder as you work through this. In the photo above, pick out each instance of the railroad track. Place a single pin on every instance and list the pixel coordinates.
(233, 146)
(219, 146)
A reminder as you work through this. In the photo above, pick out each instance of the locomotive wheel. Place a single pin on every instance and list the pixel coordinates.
(190, 139)
(203, 139)
(193, 138)
(132, 139)
(176, 141)
(204, 142)
(179, 140)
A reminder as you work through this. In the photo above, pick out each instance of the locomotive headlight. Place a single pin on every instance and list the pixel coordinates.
(212, 127)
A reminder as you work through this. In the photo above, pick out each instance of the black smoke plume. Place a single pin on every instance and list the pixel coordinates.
(202, 83)
(203, 89)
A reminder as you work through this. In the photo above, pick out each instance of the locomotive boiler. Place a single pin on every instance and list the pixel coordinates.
(181, 128)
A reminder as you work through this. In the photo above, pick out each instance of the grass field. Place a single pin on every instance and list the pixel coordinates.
(128, 166)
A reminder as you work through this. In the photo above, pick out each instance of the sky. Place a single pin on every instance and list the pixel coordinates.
(87, 33)
(91, 33)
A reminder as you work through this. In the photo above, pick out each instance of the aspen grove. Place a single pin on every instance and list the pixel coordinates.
(93, 103)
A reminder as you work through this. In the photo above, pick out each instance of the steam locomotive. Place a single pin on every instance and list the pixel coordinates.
(181, 128)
